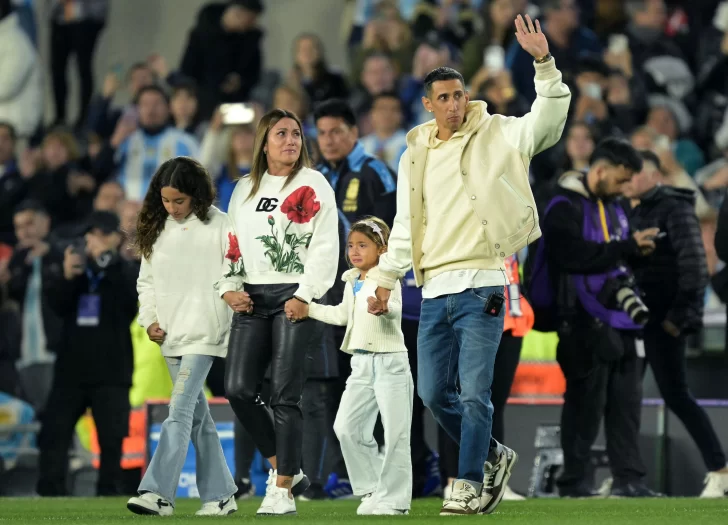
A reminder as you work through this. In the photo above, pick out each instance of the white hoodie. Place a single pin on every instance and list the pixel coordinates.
(176, 286)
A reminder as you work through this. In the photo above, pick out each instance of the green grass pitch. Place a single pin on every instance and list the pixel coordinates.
(103, 511)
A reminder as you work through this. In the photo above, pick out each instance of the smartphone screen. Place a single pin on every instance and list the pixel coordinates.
(233, 114)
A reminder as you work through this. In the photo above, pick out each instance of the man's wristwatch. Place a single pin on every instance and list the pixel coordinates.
(544, 58)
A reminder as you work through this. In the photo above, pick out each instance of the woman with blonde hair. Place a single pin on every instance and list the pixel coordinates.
(285, 257)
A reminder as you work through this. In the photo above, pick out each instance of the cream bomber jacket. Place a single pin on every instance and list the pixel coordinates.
(364, 331)
(493, 164)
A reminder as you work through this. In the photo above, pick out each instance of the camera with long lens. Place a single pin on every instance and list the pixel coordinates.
(620, 293)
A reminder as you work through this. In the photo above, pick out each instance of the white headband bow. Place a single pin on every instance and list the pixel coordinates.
(376, 229)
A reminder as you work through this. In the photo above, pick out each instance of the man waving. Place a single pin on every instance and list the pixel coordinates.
(464, 203)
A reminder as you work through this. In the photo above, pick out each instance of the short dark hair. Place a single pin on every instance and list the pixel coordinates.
(335, 108)
(136, 66)
(11, 129)
(30, 205)
(617, 152)
(153, 88)
(651, 156)
(386, 94)
(188, 85)
(440, 74)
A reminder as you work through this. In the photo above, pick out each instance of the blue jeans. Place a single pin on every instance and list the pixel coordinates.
(189, 416)
(456, 347)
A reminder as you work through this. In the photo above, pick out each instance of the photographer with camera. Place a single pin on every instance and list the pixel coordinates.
(97, 301)
(674, 281)
(582, 286)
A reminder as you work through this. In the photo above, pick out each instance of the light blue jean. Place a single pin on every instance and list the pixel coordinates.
(189, 417)
(456, 347)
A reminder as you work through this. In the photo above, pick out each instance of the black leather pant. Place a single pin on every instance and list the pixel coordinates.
(257, 340)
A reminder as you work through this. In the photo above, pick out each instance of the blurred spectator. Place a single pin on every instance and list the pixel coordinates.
(430, 54)
(311, 72)
(75, 29)
(102, 119)
(109, 197)
(64, 192)
(386, 33)
(580, 143)
(184, 107)
(568, 41)
(21, 76)
(33, 268)
(366, 11)
(645, 138)
(97, 300)
(493, 40)
(378, 75)
(712, 82)
(10, 337)
(13, 186)
(387, 141)
(139, 152)
(687, 153)
(654, 54)
(454, 20)
(501, 96)
(128, 215)
(223, 53)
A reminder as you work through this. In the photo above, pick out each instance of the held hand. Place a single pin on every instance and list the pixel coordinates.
(156, 334)
(531, 38)
(378, 305)
(646, 240)
(296, 310)
(239, 302)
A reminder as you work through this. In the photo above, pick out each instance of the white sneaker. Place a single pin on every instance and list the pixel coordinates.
(383, 511)
(298, 486)
(447, 492)
(367, 505)
(509, 495)
(464, 499)
(495, 479)
(277, 502)
(605, 489)
(716, 485)
(150, 503)
(223, 507)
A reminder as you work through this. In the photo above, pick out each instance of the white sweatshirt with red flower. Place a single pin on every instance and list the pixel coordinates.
(175, 286)
(285, 235)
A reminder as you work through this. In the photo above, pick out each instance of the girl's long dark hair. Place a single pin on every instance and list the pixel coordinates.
(187, 176)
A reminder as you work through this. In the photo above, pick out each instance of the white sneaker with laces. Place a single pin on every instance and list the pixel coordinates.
(463, 500)
(277, 502)
(150, 503)
(367, 505)
(509, 495)
(223, 507)
(716, 485)
(495, 479)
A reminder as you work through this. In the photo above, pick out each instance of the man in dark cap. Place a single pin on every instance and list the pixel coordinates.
(97, 300)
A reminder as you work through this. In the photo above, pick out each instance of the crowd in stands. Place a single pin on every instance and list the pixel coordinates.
(652, 71)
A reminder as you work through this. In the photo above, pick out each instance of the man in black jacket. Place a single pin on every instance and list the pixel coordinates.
(588, 246)
(97, 299)
(673, 281)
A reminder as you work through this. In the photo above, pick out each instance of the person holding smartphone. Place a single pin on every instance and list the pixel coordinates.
(96, 299)
(673, 281)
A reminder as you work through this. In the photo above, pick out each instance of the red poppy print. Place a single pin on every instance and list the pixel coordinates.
(301, 206)
(233, 253)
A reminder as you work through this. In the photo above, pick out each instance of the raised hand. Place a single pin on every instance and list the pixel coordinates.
(531, 38)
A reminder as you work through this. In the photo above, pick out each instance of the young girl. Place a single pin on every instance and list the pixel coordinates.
(182, 239)
(380, 381)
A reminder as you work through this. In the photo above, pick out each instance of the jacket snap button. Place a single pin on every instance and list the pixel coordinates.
(472, 198)
(497, 246)
(485, 223)
(465, 172)
(413, 189)
(503, 254)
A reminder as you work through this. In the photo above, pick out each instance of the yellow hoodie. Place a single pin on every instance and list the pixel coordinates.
(495, 154)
